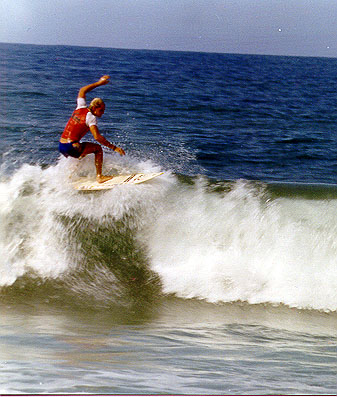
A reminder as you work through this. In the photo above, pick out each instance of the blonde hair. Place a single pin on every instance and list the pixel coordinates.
(96, 103)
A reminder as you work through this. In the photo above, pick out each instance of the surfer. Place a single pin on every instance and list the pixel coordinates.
(84, 119)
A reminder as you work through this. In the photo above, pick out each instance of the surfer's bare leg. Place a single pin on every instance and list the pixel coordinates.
(98, 152)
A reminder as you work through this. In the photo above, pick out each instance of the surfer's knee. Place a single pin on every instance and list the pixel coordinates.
(97, 148)
(92, 148)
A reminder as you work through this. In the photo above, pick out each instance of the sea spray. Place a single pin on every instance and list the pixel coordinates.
(224, 242)
(243, 246)
(28, 234)
(76, 245)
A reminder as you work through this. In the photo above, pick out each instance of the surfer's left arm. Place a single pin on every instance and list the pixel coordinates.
(103, 141)
(102, 81)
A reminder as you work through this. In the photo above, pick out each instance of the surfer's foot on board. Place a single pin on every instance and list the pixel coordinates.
(103, 178)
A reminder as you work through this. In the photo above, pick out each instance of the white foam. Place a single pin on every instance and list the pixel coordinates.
(240, 247)
(217, 247)
(33, 239)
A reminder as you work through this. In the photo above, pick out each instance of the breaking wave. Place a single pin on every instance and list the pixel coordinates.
(219, 241)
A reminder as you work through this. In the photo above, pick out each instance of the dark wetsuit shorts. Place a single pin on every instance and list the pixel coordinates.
(69, 149)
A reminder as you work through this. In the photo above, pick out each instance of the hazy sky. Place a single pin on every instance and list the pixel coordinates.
(280, 27)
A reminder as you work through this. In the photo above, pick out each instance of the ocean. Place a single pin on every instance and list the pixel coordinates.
(218, 277)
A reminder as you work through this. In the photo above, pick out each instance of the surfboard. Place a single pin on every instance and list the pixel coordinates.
(132, 179)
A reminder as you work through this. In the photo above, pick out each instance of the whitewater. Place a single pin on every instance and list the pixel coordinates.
(220, 241)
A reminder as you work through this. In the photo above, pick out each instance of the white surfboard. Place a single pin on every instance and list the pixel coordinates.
(132, 179)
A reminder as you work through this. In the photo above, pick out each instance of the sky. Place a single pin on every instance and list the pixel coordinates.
(273, 27)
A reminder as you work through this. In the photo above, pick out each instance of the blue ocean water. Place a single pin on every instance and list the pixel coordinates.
(219, 277)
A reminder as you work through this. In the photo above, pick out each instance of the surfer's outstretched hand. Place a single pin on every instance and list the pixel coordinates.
(104, 80)
(120, 151)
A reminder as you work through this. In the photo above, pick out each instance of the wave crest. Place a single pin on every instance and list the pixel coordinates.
(220, 242)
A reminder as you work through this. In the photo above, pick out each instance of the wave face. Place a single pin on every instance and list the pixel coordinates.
(193, 238)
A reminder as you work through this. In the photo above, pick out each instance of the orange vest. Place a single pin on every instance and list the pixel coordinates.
(76, 127)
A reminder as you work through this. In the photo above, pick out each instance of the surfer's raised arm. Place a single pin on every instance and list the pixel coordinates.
(102, 81)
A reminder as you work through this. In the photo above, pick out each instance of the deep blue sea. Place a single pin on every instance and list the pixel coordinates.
(218, 277)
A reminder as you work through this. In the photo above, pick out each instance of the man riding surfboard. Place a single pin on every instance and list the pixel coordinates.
(84, 119)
